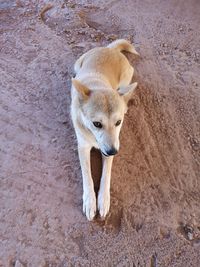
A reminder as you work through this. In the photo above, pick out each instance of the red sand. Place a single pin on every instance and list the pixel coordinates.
(155, 193)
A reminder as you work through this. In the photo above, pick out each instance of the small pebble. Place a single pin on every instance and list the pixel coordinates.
(190, 236)
(189, 231)
(54, 140)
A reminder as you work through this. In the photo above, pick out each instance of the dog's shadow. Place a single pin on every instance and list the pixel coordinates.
(96, 168)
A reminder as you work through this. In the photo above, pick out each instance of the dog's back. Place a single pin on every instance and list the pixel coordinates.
(108, 61)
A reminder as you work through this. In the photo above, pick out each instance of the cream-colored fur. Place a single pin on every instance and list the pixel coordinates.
(100, 92)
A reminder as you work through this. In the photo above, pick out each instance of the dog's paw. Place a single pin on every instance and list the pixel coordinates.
(103, 203)
(89, 205)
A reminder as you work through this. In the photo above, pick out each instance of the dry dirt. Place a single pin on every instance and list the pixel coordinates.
(155, 197)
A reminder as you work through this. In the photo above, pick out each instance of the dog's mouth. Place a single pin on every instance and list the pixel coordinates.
(111, 152)
(106, 155)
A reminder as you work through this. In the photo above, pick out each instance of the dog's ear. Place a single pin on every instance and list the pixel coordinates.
(82, 89)
(126, 92)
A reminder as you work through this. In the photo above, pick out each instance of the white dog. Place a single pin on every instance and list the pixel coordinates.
(100, 92)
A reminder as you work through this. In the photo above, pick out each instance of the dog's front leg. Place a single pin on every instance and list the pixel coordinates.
(104, 191)
(89, 198)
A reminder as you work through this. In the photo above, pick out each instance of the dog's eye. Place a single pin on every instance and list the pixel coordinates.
(97, 124)
(118, 123)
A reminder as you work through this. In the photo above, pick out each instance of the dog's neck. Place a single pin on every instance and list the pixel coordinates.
(95, 80)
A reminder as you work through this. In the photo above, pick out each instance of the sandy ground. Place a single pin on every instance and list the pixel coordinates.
(155, 192)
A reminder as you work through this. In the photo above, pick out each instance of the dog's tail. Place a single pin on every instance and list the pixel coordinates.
(123, 45)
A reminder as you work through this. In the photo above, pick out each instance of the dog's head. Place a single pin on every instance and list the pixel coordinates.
(102, 112)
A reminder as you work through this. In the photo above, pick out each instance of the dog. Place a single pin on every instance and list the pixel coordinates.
(100, 92)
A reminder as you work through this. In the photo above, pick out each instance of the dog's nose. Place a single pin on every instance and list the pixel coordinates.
(112, 151)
